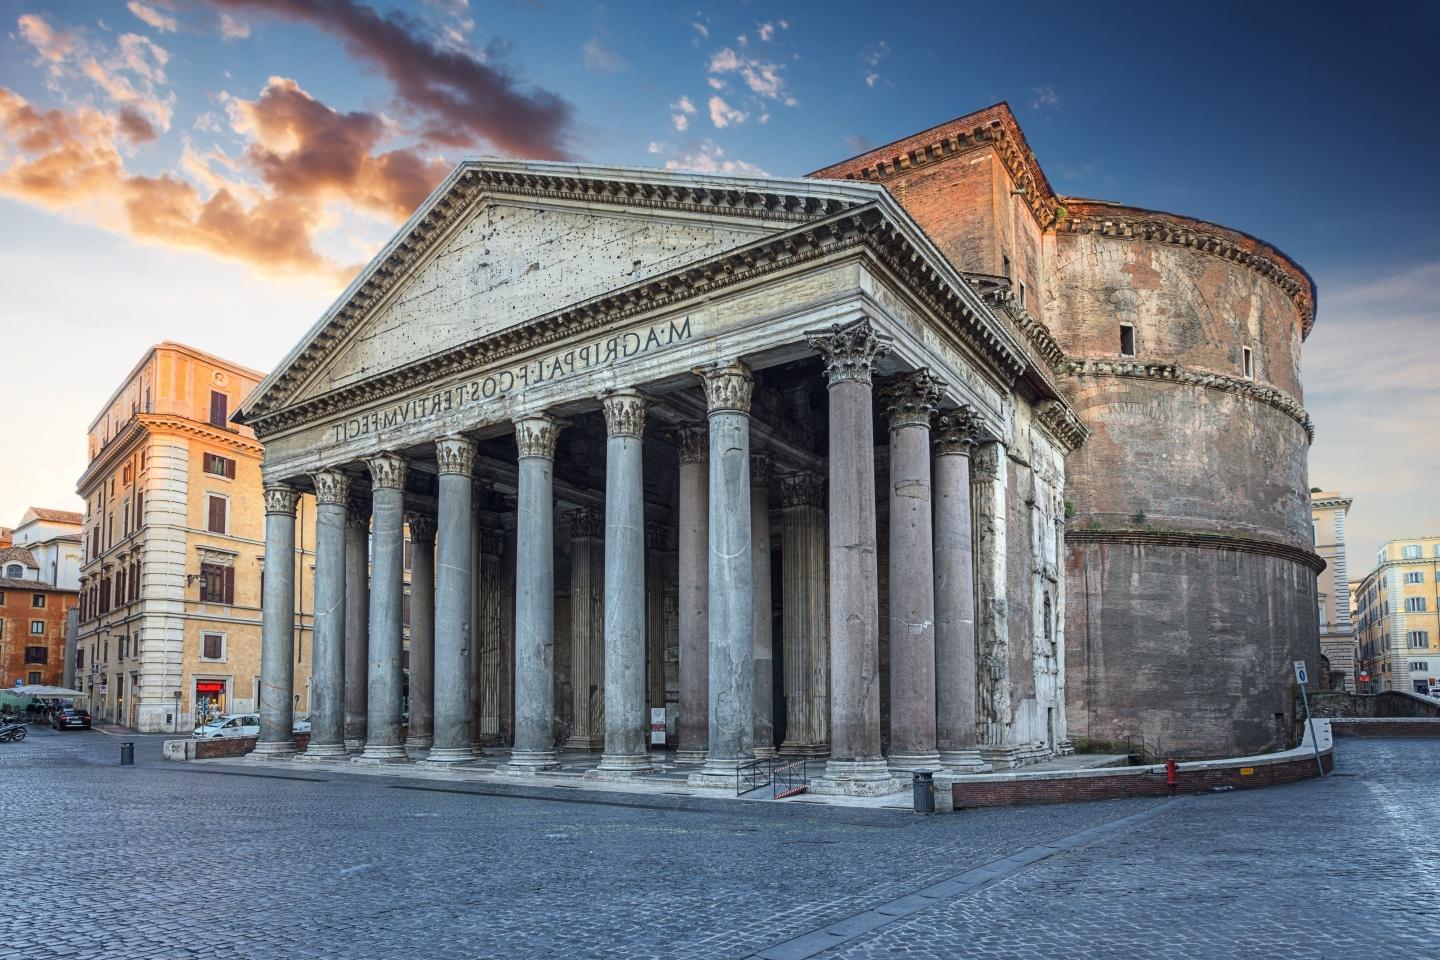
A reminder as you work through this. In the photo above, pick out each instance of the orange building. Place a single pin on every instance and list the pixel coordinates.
(32, 631)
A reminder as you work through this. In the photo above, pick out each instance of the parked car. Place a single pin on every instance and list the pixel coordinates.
(302, 725)
(230, 725)
(67, 718)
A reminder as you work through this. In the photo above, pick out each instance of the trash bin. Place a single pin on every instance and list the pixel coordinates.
(127, 754)
(923, 782)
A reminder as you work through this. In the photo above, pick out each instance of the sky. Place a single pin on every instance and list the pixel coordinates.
(214, 171)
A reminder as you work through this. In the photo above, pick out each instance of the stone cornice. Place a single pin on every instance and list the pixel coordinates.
(1202, 539)
(1062, 423)
(1279, 399)
(1133, 223)
(1332, 502)
(993, 127)
(871, 228)
(141, 424)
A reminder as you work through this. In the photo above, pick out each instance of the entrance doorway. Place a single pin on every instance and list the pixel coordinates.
(210, 701)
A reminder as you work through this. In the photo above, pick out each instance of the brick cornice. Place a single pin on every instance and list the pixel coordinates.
(1201, 539)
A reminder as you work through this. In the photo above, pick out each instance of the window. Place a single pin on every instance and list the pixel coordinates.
(127, 474)
(212, 646)
(1419, 664)
(1127, 340)
(1021, 287)
(1418, 639)
(219, 408)
(1249, 363)
(218, 466)
(409, 552)
(14, 571)
(80, 659)
(33, 677)
(1410, 552)
(139, 509)
(217, 583)
(37, 600)
(2, 598)
(1414, 604)
(217, 509)
(37, 654)
(37, 628)
(1414, 576)
(1005, 265)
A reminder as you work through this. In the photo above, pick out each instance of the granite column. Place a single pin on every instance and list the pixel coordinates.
(357, 621)
(803, 592)
(421, 733)
(327, 675)
(277, 627)
(387, 597)
(587, 629)
(692, 440)
(454, 581)
(764, 626)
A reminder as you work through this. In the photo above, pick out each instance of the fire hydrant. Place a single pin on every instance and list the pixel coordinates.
(1172, 774)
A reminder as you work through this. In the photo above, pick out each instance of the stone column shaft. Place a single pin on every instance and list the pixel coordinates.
(989, 486)
(656, 538)
(534, 747)
(954, 436)
(587, 625)
(856, 764)
(693, 725)
(454, 581)
(327, 675)
(729, 389)
(357, 623)
(421, 733)
(490, 630)
(910, 401)
(764, 627)
(807, 653)
(277, 627)
(387, 597)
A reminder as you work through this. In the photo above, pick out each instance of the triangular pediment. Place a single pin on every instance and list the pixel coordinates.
(508, 262)
(502, 242)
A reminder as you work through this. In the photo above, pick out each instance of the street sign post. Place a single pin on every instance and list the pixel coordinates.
(1302, 677)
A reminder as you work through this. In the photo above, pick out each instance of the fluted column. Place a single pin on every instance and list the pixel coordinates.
(728, 391)
(454, 581)
(626, 750)
(657, 538)
(587, 629)
(807, 653)
(856, 765)
(952, 438)
(692, 440)
(277, 627)
(387, 597)
(421, 733)
(534, 747)
(327, 674)
(490, 634)
(764, 626)
(910, 401)
(357, 622)
(989, 487)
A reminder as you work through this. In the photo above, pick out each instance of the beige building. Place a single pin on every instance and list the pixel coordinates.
(1337, 632)
(174, 549)
(1398, 624)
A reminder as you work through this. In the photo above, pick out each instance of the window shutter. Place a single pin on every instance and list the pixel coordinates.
(219, 408)
(217, 514)
(230, 585)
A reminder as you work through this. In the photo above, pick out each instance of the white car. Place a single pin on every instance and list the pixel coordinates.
(230, 725)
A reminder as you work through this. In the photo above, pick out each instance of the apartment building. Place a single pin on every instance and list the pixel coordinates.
(1398, 624)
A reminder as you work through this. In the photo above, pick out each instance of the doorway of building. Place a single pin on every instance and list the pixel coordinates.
(209, 700)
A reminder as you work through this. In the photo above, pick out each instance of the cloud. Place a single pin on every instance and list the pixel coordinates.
(459, 98)
(723, 115)
(233, 28)
(871, 57)
(709, 157)
(130, 74)
(600, 58)
(762, 78)
(1370, 397)
(858, 142)
(1044, 98)
(53, 45)
(134, 127)
(680, 119)
(156, 19)
(871, 79)
(766, 31)
(701, 29)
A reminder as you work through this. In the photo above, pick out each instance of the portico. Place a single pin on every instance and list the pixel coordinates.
(596, 363)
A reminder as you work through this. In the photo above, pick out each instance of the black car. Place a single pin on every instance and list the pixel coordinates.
(68, 717)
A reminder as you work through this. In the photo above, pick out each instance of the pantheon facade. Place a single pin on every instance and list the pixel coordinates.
(783, 458)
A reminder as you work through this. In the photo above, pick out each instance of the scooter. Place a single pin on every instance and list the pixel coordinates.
(12, 732)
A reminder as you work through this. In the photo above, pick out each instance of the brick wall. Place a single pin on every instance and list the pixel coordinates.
(1386, 727)
(237, 746)
(17, 611)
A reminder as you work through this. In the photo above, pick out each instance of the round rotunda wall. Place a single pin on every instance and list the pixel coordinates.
(1190, 569)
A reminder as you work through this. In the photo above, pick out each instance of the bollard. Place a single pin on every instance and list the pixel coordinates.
(923, 782)
(127, 754)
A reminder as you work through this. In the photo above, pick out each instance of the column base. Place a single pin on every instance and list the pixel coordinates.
(717, 773)
(354, 746)
(450, 755)
(527, 763)
(964, 761)
(584, 744)
(904, 764)
(620, 766)
(855, 778)
(765, 753)
(796, 748)
(1010, 757)
(274, 750)
(1065, 748)
(323, 751)
(419, 742)
(690, 756)
(382, 753)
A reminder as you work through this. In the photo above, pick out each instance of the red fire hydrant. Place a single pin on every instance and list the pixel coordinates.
(1172, 774)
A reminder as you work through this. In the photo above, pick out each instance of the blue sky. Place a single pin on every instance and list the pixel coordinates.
(1309, 125)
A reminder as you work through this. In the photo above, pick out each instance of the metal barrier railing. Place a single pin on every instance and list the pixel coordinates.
(786, 776)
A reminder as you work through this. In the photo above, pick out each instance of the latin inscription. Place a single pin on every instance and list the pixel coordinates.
(597, 354)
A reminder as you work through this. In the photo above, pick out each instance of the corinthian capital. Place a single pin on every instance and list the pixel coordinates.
(280, 498)
(850, 351)
(728, 386)
(912, 398)
(536, 434)
(624, 413)
(357, 514)
(455, 454)
(761, 466)
(586, 522)
(802, 489)
(985, 463)
(692, 440)
(955, 431)
(422, 527)
(331, 486)
(387, 471)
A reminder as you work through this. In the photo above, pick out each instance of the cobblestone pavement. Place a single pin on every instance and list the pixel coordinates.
(165, 860)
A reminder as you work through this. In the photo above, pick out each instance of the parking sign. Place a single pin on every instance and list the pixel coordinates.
(1300, 675)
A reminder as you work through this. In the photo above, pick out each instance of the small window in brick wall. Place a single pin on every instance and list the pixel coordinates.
(1127, 340)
